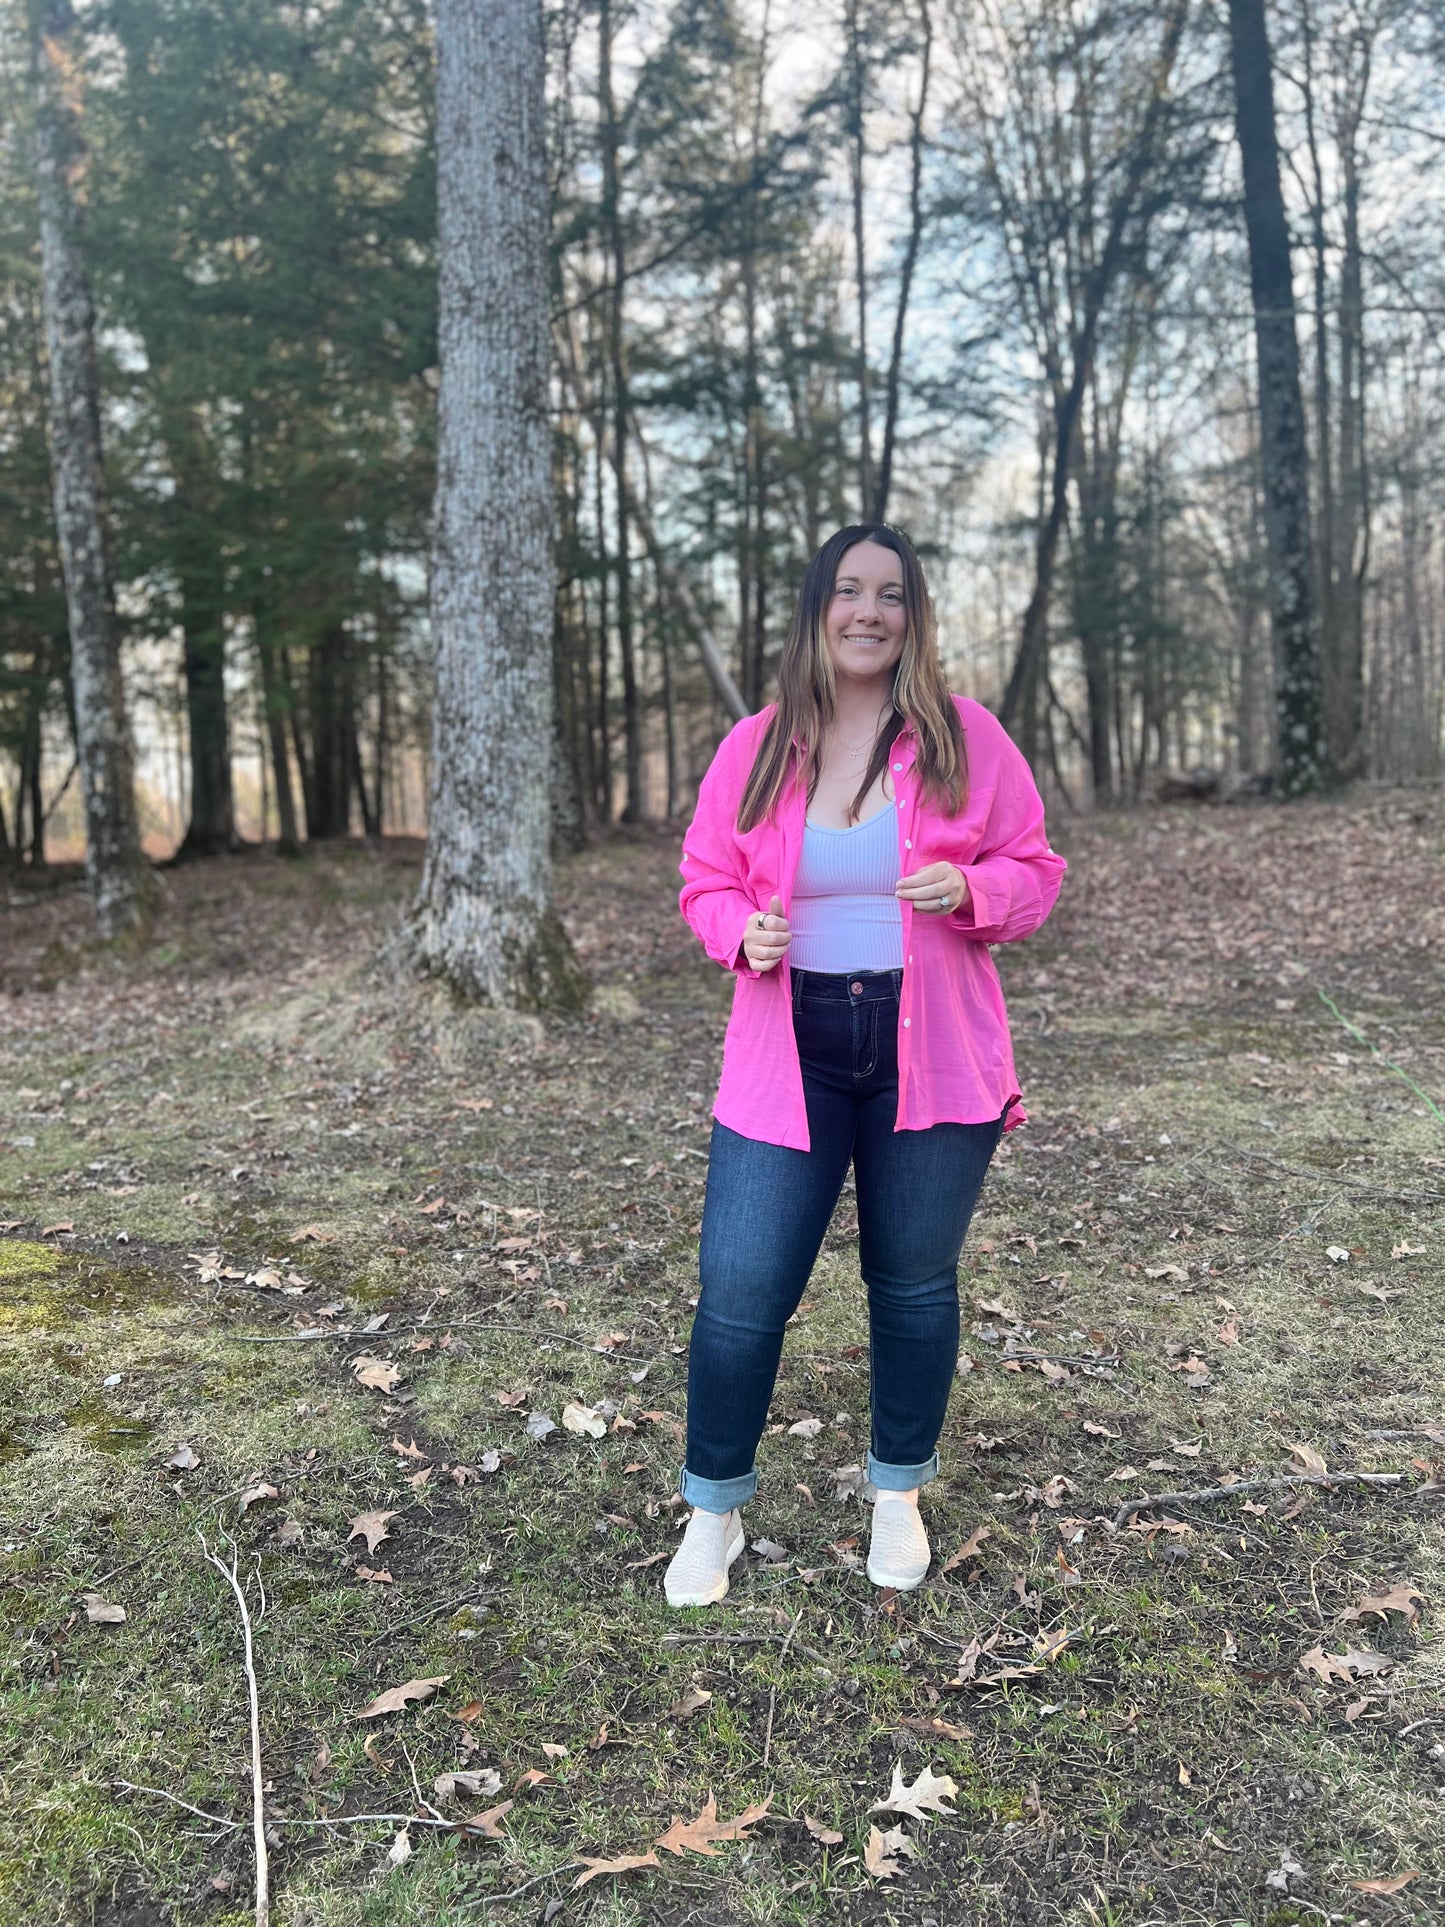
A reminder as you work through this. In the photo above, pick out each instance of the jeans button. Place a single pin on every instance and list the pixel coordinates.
(857, 989)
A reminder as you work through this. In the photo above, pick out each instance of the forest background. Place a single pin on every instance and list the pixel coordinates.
(976, 267)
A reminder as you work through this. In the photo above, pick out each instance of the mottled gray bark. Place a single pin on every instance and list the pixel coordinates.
(483, 920)
(116, 870)
(1303, 763)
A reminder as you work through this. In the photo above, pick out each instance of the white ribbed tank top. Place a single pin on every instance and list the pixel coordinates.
(844, 915)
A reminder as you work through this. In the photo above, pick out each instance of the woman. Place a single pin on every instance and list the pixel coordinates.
(856, 847)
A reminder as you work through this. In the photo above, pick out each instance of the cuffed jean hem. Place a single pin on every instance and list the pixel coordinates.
(901, 1478)
(717, 1495)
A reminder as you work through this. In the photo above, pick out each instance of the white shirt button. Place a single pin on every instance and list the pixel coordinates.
(906, 1022)
(898, 766)
(908, 842)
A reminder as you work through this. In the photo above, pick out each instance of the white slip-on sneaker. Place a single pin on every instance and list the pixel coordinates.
(898, 1548)
(698, 1572)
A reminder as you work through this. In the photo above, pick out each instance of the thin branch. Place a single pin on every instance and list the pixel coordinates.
(159, 1792)
(258, 1802)
(1131, 1506)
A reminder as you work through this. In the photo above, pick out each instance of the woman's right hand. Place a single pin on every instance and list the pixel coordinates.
(767, 937)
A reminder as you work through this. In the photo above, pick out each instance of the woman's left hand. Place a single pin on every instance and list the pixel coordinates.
(939, 888)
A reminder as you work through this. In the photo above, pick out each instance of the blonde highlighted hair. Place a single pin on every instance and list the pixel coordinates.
(795, 735)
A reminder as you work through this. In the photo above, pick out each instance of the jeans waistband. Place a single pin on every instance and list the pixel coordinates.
(848, 986)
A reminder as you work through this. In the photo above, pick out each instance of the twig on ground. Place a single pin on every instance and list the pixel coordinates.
(418, 1619)
(258, 1801)
(159, 1792)
(768, 1735)
(1110, 1359)
(738, 1639)
(1338, 1177)
(1131, 1506)
(1435, 1432)
(488, 1900)
(318, 1337)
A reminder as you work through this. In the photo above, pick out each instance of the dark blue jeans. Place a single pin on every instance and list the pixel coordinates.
(763, 1221)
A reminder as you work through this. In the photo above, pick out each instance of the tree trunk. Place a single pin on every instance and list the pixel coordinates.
(212, 826)
(276, 702)
(116, 869)
(884, 483)
(856, 156)
(328, 703)
(632, 811)
(483, 921)
(1344, 664)
(1303, 759)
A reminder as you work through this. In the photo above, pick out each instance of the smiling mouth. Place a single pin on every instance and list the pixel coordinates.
(858, 638)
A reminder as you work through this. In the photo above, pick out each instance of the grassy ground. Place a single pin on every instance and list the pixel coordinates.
(1225, 1226)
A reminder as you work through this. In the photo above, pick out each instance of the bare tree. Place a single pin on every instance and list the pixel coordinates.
(483, 920)
(1284, 459)
(116, 868)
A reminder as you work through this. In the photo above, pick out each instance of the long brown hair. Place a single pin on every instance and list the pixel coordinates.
(806, 691)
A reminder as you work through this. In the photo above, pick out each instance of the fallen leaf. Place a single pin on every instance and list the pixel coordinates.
(396, 1698)
(400, 1849)
(583, 1420)
(256, 1495)
(1055, 1490)
(770, 1551)
(288, 1534)
(313, 1234)
(379, 1577)
(1183, 1451)
(416, 1480)
(806, 1428)
(372, 1527)
(471, 1711)
(554, 1750)
(371, 1747)
(538, 1425)
(1403, 1250)
(411, 1450)
(692, 1701)
(100, 1612)
(926, 1796)
(377, 1374)
(50, 1230)
(1385, 1884)
(489, 1824)
(1337, 1254)
(185, 1458)
(1228, 1333)
(625, 1863)
(512, 1399)
(530, 1777)
(968, 1550)
(881, 1852)
(1048, 1645)
(1355, 1664)
(700, 1834)
(1306, 1459)
(1100, 1431)
(828, 1836)
(1402, 1597)
(939, 1728)
(652, 1559)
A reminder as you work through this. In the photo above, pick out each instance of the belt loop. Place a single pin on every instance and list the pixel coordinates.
(798, 976)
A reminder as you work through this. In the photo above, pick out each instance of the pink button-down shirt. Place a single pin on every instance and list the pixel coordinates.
(955, 1056)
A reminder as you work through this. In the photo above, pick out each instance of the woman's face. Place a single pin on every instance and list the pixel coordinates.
(866, 620)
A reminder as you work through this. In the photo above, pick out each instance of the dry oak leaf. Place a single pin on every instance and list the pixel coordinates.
(185, 1458)
(968, 1550)
(1385, 1884)
(1048, 1645)
(1100, 1431)
(1347, 1666)
(940, 1729)
(531, 1776)
(881, 1852)
(256, 1495)
(1401, 1598)
(926, 1796)
(700, 1834)
(692, 1701)
(583, 1420)
(100, 1612)
(1306, 1459)
(408, 1451)
(829, 1836)
(396, 1698)
(372, 1527)
(379, 1577)
(488, 1824)
(377, 1374)
(314, 1234)
(1055, 1490)
(625, 1863)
